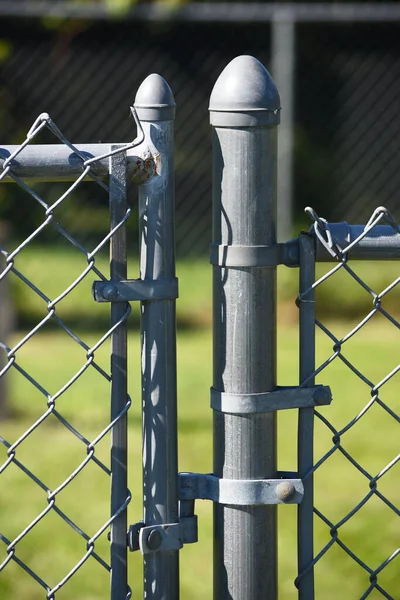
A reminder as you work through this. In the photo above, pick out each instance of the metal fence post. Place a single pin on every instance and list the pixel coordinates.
(305, 440)
(283, 34)
(244, 109)
(155, 106)
(119, 441)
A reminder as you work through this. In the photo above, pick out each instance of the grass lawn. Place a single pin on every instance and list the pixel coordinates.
(52, 453)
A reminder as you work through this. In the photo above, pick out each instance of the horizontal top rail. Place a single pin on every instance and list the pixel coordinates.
(57, 162)
(380, 243)
(241, 12)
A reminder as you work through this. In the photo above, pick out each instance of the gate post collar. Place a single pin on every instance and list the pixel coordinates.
(154, 100)
(244, 96)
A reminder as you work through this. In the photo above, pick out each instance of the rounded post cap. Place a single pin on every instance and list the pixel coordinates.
(244, 95)
(154, 100)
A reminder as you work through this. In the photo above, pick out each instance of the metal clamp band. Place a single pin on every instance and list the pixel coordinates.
(240, 492)
(245, 256)
(255, 256)
(135, 290)
(279, 399)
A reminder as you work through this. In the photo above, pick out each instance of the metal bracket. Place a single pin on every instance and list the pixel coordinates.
(135, 290)
(279, 399)
(255, 256)
(241, 492)
(286, 489)
(164, 537)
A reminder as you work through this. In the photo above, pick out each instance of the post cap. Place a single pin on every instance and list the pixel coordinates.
(244, 95)
(154, 100)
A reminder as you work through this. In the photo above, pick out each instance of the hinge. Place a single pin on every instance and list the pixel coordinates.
(165, 536)
(261, 256)
(161, 537)
(286, 489)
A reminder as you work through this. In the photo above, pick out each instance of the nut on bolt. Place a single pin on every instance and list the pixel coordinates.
(285, 491)
(154, 539)
(110, 292)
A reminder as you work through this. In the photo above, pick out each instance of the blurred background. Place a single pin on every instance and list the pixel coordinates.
(337, 67)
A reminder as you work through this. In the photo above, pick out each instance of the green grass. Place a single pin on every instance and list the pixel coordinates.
(52, 452)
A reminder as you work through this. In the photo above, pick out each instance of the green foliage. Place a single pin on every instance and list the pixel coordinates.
(6, 48)
(117, 8)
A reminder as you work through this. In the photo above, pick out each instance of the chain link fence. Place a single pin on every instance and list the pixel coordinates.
(361, 446)
(346, 154)
(52, 414)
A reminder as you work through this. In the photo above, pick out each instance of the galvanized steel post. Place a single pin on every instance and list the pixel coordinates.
(244, 112)
(119, 399)
(155, 107)
(305, 440)
(283, 33)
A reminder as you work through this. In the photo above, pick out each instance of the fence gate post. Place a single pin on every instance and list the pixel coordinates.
(155, 107)
(119, 441)
(244, 114)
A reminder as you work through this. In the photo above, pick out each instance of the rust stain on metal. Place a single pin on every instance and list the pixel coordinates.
(157, 163)
(142, 169)
(149, 168)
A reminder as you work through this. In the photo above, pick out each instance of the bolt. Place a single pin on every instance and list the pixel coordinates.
(154, 539)
(292, 252)
(285, 491)
(110, 292)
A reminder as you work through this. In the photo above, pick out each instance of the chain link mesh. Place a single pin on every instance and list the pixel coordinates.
(347, 124)
(367, 400)
(51, 406)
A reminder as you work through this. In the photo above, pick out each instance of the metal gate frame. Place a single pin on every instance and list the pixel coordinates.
(148, 162)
